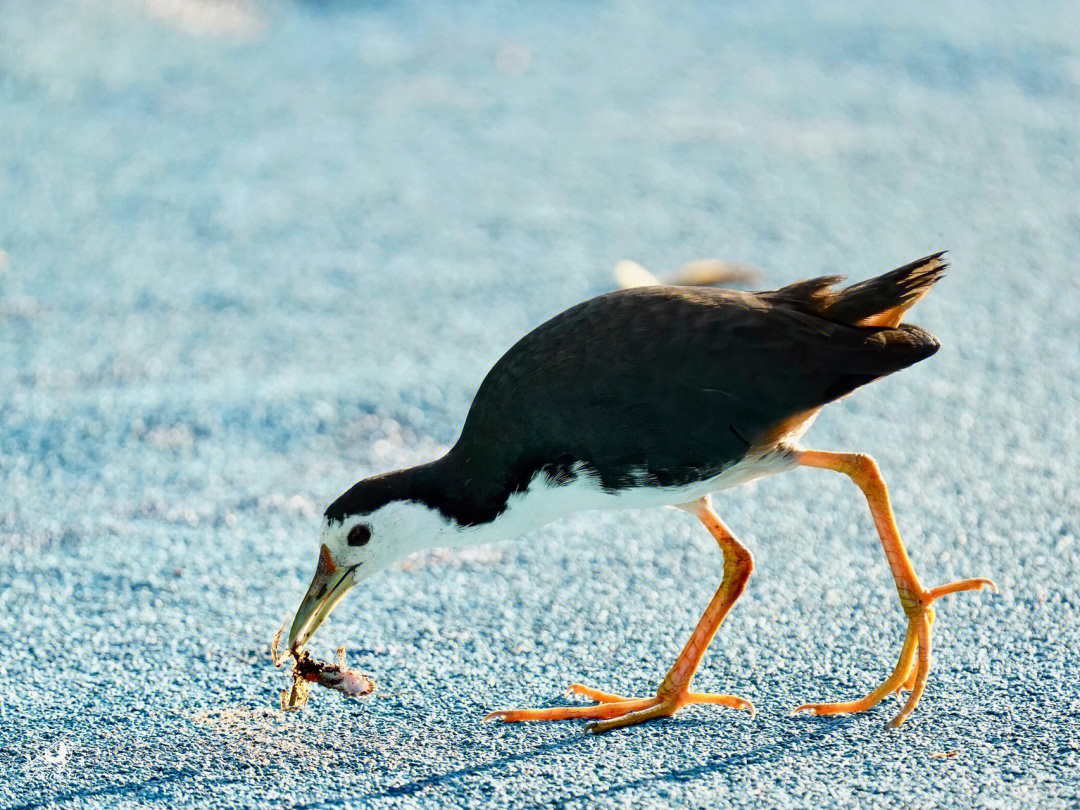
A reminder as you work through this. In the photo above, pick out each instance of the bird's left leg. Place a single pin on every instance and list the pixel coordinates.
(614, 711)
(913, 668)
(674, 692)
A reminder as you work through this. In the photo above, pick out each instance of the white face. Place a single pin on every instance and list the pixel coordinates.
(360, 546)
(391, 532)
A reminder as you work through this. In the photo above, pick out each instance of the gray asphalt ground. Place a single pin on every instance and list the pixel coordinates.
(254, 252)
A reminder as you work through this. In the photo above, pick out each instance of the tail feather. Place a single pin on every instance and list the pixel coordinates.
(880, 301)
(883, 352)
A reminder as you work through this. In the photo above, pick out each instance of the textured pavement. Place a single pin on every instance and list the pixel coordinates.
(251, 257)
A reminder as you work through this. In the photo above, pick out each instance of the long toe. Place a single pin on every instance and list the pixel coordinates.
(909, 683)
(660, 709)
(962, 585)
(667, 706)
(595, 694)
(598, 712)
(616, 712)
(897, 679)
(731, 701)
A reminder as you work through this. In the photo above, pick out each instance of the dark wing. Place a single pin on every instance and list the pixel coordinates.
(669, 383)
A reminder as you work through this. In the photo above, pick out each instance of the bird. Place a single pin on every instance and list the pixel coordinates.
(658, 395)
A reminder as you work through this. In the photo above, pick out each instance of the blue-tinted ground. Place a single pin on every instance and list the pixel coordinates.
(246, 266)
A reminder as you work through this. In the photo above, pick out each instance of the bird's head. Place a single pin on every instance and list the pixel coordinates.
(375, 523)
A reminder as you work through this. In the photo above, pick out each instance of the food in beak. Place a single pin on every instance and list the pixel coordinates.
(308, 670)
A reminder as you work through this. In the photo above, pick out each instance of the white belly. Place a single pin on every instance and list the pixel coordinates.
(543, 502)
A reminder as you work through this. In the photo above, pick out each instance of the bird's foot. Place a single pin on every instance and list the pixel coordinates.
(913, 668)
(614, 711)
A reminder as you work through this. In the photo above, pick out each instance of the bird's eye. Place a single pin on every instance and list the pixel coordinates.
(359, 534)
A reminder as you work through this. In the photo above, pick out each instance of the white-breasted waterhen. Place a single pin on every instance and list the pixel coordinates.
(656, 396)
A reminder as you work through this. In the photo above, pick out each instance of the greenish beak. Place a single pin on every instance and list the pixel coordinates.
(328, 585)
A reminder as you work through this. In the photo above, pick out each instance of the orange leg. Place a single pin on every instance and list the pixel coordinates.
(614, 711)
(914, 665)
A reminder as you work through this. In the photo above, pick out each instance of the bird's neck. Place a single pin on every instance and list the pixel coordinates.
(431, 495)
(466, 498)
(485, 497)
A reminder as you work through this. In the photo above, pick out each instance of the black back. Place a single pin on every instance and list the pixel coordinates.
(658, 385)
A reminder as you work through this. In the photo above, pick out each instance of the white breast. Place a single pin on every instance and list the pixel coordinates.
(543, 501)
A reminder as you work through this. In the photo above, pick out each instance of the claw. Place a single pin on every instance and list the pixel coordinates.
(913, 667)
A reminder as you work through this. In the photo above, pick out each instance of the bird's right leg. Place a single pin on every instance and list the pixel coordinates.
(615, 711)
(913, 668)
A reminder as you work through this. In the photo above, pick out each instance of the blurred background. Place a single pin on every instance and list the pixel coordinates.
(253, 250)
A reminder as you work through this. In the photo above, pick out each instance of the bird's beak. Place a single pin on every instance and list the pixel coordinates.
(328, 585)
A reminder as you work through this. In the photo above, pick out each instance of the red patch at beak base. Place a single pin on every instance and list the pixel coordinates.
(326, 562)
